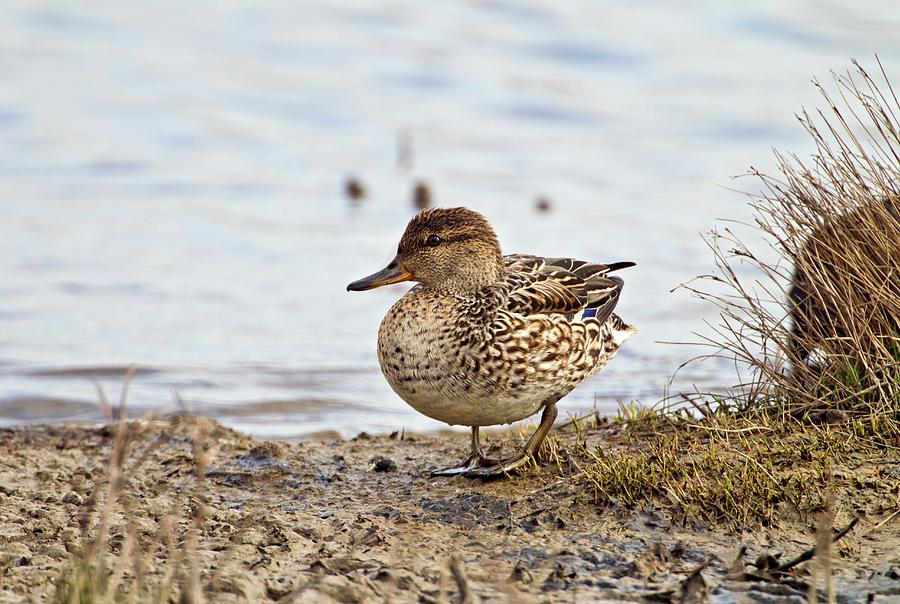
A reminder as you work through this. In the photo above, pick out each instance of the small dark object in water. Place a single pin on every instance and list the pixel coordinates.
(422, 195)
(353, 188)
(380, 463)
(543, 204)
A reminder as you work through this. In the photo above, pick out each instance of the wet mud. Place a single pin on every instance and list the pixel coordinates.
(363, 521)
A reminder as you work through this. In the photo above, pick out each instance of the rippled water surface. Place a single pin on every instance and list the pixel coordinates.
(171, 180)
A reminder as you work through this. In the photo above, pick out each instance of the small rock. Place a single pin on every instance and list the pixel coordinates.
(73, 498)
(384, 575)
(116, 541)
(542, 204)
(530, 525)
(380, 463)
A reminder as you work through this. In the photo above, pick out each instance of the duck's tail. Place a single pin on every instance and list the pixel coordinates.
(619, 329)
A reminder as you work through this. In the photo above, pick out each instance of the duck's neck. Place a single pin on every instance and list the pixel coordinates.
(469, 277)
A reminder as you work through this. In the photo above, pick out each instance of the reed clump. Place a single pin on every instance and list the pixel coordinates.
(812, 320)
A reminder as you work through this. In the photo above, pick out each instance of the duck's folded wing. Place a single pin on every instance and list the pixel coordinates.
(604, 295)
(539, 285)
(544, 291)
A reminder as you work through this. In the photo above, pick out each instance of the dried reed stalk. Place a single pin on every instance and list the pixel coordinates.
(817, 328)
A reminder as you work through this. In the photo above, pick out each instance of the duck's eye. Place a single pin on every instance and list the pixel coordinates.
(433, 240)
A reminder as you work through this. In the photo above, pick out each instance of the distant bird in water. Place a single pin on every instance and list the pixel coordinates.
(422, 195)
(487, 339)
(543, 204)
(354, 189)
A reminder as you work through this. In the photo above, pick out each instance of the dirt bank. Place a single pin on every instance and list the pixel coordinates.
(362, 520)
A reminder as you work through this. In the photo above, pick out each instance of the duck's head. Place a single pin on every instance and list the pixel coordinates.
(448, 249)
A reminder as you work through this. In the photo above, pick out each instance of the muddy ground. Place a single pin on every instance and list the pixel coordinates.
(362, 521)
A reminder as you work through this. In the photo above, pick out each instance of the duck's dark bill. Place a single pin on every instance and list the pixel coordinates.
(392, 273)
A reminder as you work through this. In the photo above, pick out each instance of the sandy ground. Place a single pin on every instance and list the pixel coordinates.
(361, 520)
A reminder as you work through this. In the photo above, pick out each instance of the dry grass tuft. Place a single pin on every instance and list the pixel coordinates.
(817, 328)
(726, 468)
(812, 322)
(111, 567)
(729, 469)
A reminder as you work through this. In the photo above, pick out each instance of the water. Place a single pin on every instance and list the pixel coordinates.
(171, 180)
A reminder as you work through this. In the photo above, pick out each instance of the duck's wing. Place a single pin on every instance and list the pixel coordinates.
(543, 290)
(538, 285)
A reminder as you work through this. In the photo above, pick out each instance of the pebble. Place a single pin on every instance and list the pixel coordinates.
(73, 498)
(380, 463)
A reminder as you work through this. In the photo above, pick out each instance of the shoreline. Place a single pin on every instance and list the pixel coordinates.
(361, 520)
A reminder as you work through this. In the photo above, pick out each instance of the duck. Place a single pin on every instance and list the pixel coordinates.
(487, 339)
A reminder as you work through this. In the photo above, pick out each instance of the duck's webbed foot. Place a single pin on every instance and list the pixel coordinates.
(500, 468)
(511, 464)
(475, 461)
(472, 463)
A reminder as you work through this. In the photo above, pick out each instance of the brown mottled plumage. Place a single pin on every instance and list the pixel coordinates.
(487, 339)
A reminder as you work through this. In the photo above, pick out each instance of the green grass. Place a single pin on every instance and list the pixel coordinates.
(734, 469)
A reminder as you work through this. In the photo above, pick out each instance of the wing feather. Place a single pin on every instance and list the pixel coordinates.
(538, 285)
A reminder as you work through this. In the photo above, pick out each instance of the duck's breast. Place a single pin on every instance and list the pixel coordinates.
(436, 359)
